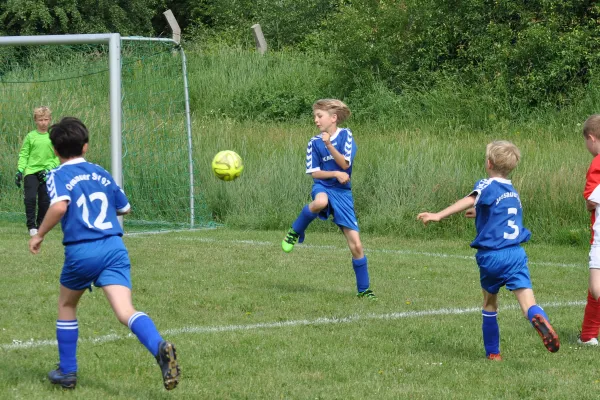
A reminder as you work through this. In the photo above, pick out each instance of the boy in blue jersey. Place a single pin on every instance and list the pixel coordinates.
(501, 259)
(329, 160)
(87, 201)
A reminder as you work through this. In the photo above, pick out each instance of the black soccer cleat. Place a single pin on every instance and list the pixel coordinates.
(549, 337)
(67, 381)
(167, 360)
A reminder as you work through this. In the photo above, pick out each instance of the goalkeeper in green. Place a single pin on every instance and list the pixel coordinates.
(36, 158)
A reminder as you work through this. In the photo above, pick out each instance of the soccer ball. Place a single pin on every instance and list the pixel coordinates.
(227, 165)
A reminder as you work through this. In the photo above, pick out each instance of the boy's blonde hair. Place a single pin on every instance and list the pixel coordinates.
(503, 155)
(333, 106)
(591, 126)
(42, 111)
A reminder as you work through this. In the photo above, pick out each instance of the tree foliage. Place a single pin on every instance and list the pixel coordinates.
(537, 52)
(532, 53)
(285, 23)
(35, 17)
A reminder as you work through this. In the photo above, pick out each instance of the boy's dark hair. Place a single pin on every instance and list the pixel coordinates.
(68, 137)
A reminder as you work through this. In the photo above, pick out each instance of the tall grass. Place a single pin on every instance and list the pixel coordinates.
(417, 150)
(397, 174)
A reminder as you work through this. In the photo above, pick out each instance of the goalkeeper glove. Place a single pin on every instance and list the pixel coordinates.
(18, 178)
(42, 175)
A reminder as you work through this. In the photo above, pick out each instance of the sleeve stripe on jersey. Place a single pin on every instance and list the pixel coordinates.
(309, 158)
(595, 196)
(479, 189)
(348, 147)
(309, 155)
(124, 209)
(478, 193)
(60, 198)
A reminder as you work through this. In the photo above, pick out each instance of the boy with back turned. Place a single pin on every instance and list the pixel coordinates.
(501, 259)
(86, 200)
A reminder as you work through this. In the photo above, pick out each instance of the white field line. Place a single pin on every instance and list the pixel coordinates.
(331, 247)
(133, 234)
(31, 344)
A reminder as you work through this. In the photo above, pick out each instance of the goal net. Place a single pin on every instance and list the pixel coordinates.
(74, 80)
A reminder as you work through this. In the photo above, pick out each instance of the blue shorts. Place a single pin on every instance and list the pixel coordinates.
(505, 267)
(100, 262)
(340, 205)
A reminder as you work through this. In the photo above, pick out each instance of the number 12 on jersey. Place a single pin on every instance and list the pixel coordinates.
(99, 222)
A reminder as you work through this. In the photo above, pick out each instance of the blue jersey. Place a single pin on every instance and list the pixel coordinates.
(93, 201)
(499, 215)
(318, 158)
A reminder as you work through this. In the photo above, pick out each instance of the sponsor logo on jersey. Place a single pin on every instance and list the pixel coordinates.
(507, 195)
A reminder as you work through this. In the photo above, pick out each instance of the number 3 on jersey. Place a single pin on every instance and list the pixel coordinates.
(99, 222)
(511, 224)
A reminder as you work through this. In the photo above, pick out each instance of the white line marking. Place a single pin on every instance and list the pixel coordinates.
(132, 234)
(367, 250)
(31, 344)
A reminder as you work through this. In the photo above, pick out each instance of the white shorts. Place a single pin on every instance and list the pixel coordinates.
(595, 257)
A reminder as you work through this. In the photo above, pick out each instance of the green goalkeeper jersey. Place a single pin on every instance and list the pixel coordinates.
(37, 153)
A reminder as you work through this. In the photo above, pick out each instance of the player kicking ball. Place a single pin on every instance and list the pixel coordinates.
(86, 200)
(501, 259)
(329, 160)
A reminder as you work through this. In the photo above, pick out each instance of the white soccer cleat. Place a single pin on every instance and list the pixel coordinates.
(33, 232)
(592, 342)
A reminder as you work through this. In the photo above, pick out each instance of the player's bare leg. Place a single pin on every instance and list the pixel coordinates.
(594, 283)
(67, 302)
(525, 298)
(142, 326)
(538, 318)
(354, 243)
(591, 316)
(119, 298)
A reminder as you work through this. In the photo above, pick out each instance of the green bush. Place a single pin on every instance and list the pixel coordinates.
(535, 53)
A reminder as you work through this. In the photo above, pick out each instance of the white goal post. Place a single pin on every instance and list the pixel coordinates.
(114, 59)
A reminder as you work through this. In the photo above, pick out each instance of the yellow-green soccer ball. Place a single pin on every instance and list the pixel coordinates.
(227, 165)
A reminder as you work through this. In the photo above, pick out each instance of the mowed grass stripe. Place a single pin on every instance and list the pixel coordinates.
(19, 344)
(335, 248)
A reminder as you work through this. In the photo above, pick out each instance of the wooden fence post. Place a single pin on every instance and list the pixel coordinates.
(174, 26)
(261, 43)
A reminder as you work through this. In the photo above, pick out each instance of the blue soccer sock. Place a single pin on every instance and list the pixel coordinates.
(304, 219)
(535, 309)
(491, 332)
(362, 273)
(67, 333)
(143, 327)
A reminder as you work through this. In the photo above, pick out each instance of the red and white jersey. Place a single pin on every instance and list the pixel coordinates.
(592, 193)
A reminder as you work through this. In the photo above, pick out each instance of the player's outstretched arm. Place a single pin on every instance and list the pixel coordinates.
(471, 213)
(53, 217)
(461, 205)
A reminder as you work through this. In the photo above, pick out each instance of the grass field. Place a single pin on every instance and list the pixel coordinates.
(251, 322)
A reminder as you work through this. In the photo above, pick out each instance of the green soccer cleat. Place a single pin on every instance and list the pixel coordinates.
(167, 360)
(290, 240)
(367, 294)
